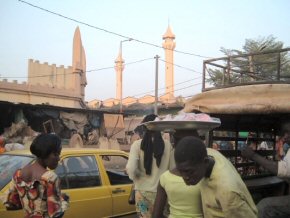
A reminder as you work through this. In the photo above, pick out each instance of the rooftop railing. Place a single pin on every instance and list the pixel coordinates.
(264, 67)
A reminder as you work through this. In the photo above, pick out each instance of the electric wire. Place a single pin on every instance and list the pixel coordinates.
(148, 92)
(189, 69)
(87, 71)
(108, 31)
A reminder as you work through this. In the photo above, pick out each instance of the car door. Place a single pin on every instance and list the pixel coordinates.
(8, 165)
(120, 184)
(82, 180)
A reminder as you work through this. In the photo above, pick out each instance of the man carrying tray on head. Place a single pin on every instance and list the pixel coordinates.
(222, 190)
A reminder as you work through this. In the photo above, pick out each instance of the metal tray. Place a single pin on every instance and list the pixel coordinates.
(169, 126)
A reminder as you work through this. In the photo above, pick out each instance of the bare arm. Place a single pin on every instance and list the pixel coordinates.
(270, 165)
(160, 201)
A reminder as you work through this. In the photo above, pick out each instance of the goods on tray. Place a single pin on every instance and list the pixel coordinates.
(183, 121)
(186, 117)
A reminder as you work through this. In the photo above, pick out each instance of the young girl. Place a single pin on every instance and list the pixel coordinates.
(184, 201)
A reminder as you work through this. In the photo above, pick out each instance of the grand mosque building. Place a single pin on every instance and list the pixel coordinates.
(65, 86)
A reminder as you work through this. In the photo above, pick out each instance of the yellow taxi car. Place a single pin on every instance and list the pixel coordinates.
(94, 179)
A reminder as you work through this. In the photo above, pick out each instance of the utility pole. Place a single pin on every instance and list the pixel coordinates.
(156, 85)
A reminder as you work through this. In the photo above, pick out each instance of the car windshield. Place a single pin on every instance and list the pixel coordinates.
(9, 164)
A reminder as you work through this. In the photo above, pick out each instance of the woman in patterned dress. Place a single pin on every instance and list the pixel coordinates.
(35, 188)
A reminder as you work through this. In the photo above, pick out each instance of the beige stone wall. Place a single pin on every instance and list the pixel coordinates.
(38, 94)
(110, 102)
(51, 75)
(95, 103)
(129, 100)
(47, 84)
(167, 99)
(147, 99)
(51, 84)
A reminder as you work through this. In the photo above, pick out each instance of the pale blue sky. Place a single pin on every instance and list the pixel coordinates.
(201, 27)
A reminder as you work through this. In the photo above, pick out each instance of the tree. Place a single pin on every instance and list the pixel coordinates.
(256, 66)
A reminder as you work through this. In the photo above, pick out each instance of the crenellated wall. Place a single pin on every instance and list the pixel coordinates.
(95, 103)
(147, 99)
(129, 100)
(47, 84)
(110, 102)
(51, 84)
(50, 75)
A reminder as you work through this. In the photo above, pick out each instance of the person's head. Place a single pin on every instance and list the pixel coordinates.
(149, 117)
(141, 129)
(178, 134)
(191, 159)
(285, 132)
(152, 145)
(215, 146)
(47, 147)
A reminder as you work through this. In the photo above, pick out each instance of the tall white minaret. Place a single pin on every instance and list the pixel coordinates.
(169, 45)
(119, 67)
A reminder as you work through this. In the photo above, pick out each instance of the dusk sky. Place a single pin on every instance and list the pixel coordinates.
(201, 28)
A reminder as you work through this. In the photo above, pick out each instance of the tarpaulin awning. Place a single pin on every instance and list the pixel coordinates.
(249, 99)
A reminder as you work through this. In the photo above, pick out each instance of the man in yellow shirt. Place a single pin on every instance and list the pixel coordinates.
(223, 192)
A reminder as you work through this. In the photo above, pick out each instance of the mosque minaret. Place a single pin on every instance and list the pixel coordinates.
(169, 45)
(119, 67)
